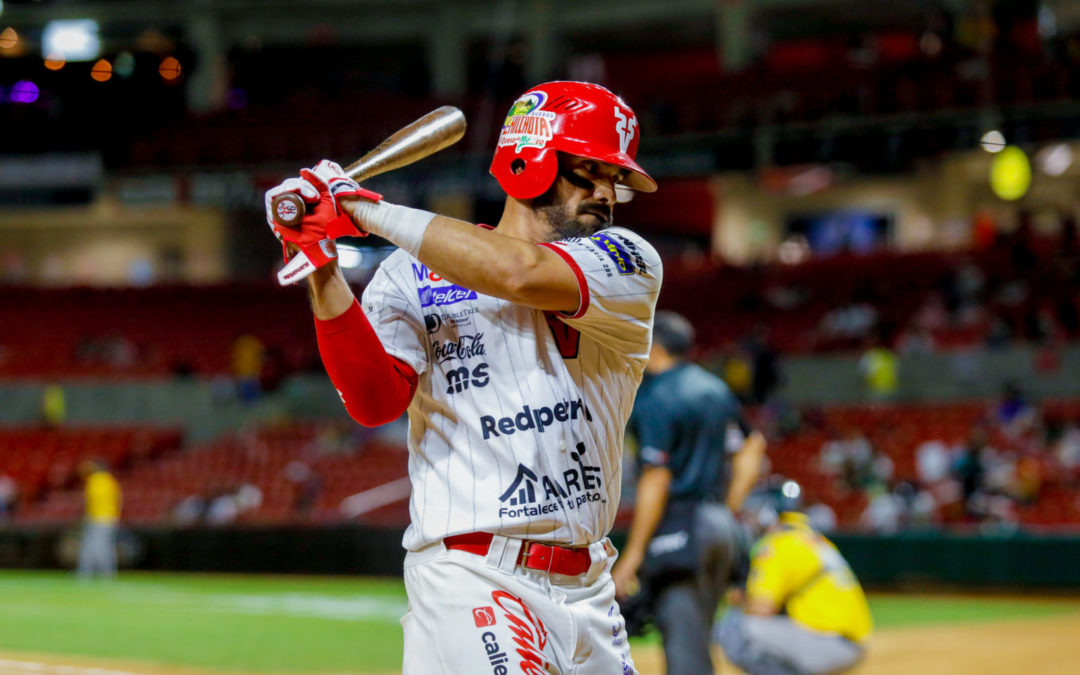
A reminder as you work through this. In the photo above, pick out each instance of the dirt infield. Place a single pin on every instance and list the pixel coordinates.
(1041, 646)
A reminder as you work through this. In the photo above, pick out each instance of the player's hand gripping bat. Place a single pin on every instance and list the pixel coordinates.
(436, 130)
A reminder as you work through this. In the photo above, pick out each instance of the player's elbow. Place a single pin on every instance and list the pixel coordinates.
(540, 281)
(369, 417)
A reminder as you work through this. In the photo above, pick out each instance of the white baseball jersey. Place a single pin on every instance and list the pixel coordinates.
(517, 423)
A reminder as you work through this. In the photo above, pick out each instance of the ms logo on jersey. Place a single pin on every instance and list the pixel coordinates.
(624, 264)
(460, 379)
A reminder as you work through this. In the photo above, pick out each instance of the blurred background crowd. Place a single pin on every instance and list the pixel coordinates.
(869, 213)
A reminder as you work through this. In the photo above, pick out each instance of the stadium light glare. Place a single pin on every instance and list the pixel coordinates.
(9, 39)
(790, 489)
(24, 91)
(71, 39)
(1010, 174)
(993, 141)
(349, 257)
(1054, 160)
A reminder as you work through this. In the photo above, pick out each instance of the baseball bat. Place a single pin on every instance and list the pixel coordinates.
(436, 130)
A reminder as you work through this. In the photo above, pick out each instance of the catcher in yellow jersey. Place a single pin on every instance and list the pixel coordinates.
(803, 611)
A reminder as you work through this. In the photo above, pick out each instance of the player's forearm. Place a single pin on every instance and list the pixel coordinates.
(375, 387)
(494, 264)
(476, 258)
(329, 293)
(649, 505)
(745, 469)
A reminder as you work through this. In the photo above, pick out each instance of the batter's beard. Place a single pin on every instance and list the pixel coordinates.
(564, 225)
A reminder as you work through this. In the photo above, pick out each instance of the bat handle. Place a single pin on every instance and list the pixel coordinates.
(288, 209)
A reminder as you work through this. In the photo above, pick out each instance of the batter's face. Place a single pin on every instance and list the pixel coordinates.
(580, 201)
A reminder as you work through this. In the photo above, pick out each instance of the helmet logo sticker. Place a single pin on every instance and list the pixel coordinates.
(526, 125)
(626, 127)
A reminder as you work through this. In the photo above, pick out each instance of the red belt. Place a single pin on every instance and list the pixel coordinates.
(533, 555)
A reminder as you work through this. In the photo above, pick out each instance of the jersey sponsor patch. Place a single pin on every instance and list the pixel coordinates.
(624, 264)
(533, 418)
(465, 347)
(531, 494)
(483, 616)
(530, 635)
(440, 296)
(460, 379)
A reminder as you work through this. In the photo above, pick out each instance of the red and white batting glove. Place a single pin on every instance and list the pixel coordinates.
(324, 219)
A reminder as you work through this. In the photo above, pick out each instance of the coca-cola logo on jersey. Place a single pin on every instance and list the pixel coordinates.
(465, 347)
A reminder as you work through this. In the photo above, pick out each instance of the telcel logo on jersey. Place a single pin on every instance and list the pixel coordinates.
(615, 251)
(443, 295)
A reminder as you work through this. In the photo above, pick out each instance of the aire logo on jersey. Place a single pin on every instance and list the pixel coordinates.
(530, 494)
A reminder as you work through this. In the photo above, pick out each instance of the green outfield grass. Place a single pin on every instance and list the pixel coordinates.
(297, 624)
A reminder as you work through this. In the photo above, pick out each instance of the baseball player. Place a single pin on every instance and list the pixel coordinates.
(698, 460)
(803, 611)
(517, 352)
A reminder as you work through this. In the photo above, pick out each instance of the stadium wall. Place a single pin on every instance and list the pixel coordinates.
(910, 560)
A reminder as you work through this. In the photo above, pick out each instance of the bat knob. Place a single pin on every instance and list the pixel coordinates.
(288, 210)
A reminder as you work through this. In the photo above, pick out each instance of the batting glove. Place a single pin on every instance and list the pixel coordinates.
(324, 220)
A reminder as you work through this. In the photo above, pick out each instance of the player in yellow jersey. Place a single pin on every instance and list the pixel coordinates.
(97, 550)
(803, 611)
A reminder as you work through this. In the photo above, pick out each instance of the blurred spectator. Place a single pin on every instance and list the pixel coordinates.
(822, 516)
(879, 367)
(850, 322)
(248, 354)
(97, 547)
(916, 340)
(885, 513)
(222, 507)
(309, 485)
(9, 494)
(189, 510)
(1067, 450)
(969, 468)
(53, 407)
(115, 352)
(274, 369)
(764, 364)
(932, 461)
(1027, 479)
(738, 373)
(1013, 413)
(999, 335)
(854, 462)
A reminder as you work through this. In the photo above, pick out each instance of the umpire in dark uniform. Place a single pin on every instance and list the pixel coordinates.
(698, 460)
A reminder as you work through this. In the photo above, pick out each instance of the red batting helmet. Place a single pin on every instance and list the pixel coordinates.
(581, 119)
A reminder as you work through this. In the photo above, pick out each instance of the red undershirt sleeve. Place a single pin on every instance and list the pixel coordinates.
(375, 387)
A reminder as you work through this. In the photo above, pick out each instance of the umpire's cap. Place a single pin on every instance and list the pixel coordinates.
(673, 332)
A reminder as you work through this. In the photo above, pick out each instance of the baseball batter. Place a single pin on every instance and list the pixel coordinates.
(517, 352)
